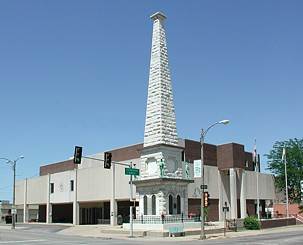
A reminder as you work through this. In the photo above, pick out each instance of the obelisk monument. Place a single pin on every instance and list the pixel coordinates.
(162, 186)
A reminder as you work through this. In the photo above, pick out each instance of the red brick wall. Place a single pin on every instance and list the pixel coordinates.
(280, 209)
(277, 222)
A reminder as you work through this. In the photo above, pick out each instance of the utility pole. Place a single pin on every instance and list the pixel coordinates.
(202, 235)
(14, 210)
(13, 165)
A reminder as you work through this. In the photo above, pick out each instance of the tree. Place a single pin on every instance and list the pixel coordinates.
(294, 159)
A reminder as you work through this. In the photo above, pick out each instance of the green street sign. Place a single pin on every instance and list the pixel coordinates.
(131, 171)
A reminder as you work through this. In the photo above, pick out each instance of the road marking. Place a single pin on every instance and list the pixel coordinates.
(23, 241)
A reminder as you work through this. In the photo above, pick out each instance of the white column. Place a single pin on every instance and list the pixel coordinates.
(25, 207)
(113, 201)
(233, 193)
(48, 204)
(149, 204)
(243, 195)
(49, 211)
(75, 202)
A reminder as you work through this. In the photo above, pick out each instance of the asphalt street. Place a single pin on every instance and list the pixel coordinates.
(46, 235)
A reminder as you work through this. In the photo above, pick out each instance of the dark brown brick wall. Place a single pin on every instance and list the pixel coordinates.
(127, 153)
(57, 167)
(224, 156)
(194, 207)
(230, 155)
(193, 152)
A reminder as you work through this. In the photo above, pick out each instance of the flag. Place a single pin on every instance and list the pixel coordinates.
(254, 155)
(284, 154)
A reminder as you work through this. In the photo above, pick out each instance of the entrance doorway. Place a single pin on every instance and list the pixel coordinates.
(94, 213)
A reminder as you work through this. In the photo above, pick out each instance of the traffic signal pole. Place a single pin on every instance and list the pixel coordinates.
(131, 230)
(113, 208)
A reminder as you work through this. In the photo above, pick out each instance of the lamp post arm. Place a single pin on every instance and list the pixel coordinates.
(203, 133)
(6, 159)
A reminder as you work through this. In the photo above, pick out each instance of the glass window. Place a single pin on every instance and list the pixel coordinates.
(145, 205)
(170, 204)
(178, 204)
(153, 205)
(52, 187)
(72, 185)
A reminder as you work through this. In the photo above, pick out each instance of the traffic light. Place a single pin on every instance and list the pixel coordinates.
(107, 160)
(205, 197)
(77, 155)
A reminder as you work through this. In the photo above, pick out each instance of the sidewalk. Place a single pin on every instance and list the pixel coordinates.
(116, 233)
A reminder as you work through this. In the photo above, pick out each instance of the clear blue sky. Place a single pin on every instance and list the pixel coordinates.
(76, 73)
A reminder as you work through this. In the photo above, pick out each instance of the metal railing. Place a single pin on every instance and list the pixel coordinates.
(164, 219)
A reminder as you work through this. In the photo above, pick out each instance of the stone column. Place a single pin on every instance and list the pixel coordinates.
(162, 203)
(25, 206)
(149, 204)
(184, 201)
(48, 204)
(233, 193)
(243, 195)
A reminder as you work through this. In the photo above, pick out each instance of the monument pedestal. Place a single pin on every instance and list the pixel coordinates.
(163, 196)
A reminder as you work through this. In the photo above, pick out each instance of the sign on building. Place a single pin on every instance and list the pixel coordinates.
(197, 168)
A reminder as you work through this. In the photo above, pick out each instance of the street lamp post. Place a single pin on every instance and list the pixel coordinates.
(202, 139)
(13, 165)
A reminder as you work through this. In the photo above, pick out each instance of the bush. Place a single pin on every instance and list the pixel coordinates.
(252, 223)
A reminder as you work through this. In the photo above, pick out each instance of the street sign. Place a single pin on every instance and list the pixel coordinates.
(225, 209)
(197, 168)
(14, 211)
(203, 187)
(132, 171)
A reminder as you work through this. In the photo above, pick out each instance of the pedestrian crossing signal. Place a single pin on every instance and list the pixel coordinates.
(77, 155)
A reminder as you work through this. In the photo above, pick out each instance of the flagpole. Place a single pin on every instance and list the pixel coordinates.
(286, 185)
(257, 172)
(258, 199)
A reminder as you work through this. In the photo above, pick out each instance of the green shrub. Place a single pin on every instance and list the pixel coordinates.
(252, 223)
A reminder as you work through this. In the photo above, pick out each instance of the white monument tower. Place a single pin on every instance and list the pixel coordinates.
(163, 181)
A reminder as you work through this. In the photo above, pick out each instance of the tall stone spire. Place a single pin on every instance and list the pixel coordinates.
(160, 123)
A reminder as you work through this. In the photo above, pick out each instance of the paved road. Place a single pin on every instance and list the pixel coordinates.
(46, 235)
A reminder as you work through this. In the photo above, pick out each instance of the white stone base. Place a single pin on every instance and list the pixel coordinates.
(162, 227)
